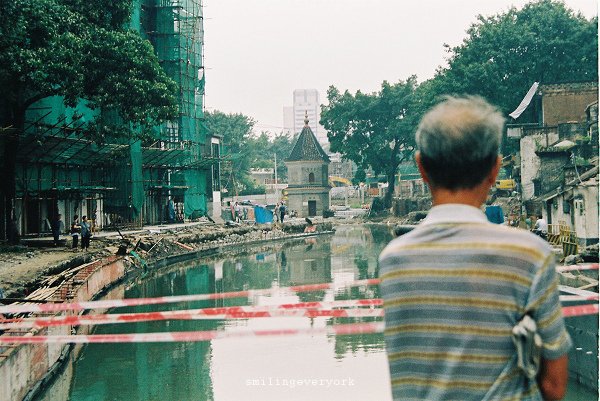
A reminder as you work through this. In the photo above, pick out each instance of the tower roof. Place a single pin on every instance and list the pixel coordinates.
(307, 147)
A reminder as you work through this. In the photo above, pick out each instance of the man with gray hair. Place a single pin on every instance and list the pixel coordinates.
(464, 299)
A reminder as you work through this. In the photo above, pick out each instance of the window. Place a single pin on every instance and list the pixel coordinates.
(311, 178)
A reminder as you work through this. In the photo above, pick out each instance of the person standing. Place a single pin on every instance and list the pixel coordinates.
(57, 227)
(86, 233)
(75, 230)
(541, 226)
(282, 209)
(276, 212)
(456, 286)
(238, 213)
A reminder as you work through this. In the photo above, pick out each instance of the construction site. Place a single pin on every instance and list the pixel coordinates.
(61, 169)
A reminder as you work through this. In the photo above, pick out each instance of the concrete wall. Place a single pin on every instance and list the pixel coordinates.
(551, 172)
(562, 103)
(298, 201)
(530, 162)
(299, 173)
(301, 189)
(581, 214)
(24, 366)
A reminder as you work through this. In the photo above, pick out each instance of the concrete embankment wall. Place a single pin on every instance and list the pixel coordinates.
(24, 369)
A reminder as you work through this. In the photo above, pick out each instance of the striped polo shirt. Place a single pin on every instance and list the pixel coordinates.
(453, 288)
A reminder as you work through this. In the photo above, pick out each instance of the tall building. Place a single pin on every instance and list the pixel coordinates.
(288, 120)
(306, 103)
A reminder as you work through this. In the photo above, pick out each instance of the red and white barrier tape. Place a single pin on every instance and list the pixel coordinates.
(116, 303)
(577, 298)
(105, 304)
(589, 266)
(580, 310)
(235, 312)
(344, 329)
(190, 336)
(577, 291)
(307, 309)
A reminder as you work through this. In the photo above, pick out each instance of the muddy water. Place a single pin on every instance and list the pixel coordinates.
(318, 367)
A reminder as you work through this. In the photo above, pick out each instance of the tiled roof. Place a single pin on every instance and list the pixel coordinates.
(307, 147)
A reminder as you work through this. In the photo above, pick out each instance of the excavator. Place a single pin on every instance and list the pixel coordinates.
(505, 184)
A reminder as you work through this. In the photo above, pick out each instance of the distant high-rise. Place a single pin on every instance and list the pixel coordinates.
(306, 103)
(288, 120)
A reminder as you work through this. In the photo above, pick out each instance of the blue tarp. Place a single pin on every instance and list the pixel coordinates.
(262, 215)
(494, 214)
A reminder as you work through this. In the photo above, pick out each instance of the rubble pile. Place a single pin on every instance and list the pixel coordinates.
(22, 269)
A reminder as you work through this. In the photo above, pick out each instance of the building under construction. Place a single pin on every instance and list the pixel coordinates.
(128, 182)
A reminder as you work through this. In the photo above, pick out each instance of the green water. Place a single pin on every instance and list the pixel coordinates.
(317, 367)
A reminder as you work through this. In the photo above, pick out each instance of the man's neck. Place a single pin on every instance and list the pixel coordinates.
(472, 197)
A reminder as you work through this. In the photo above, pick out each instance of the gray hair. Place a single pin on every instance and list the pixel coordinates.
(459, 140)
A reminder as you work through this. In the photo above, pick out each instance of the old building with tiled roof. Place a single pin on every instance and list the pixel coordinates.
(308, 186)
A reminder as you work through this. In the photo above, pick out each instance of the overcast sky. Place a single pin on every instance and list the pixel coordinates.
(258, 51)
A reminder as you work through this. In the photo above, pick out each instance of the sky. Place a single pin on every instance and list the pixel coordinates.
(258, 51)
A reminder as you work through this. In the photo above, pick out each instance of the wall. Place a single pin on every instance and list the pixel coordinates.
(551, 171)
(530, 162)
(582, 212)
(563, 103)
(298, 200)
(298, 173)
(587, 223)
(23, 367)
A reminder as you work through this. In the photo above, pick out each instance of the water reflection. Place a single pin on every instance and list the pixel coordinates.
(291, 368)
(315, 367)
(166, 371)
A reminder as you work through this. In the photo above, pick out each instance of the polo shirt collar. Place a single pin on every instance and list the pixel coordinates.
(454, 213)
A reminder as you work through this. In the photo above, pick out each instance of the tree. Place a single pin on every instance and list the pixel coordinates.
(373, 130)
(505, 53)
(236, 130)
(67, 48)
(282, 145)
(264, 150)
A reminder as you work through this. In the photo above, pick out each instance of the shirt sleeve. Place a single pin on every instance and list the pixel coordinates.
(544, 306)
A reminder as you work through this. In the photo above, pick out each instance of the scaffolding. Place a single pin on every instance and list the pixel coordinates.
(60, 169)
(175, 28)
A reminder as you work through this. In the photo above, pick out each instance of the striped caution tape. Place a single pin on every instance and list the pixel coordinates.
(116, 303)
(580, 310)
(193, 336)
(305, 309)
(578, 298)
(589, 266)
(577, 291)
(106, 304)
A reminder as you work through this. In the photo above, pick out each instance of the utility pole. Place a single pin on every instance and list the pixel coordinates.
(276, 189)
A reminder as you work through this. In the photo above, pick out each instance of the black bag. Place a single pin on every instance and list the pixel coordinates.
(75, 228)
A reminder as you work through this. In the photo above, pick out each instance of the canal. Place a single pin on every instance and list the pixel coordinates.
(300, 367)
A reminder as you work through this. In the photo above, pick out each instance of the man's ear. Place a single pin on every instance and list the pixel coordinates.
(420, 166)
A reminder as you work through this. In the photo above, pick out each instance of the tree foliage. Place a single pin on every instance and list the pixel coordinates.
(243, 151)
(373, 130)
(77, 51)
(236, 130)
(505, 53)
(69, 49)
(266, 148)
